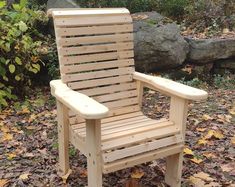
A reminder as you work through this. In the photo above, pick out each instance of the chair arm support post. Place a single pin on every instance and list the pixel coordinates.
(140, 92)
(93, 143)
(63, 137)
(179, 113)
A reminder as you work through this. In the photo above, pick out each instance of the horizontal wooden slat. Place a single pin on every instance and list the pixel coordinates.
(92, 20)
(115, 96)
(121, 103)
(94, 30)
(143, 127)
(124, 110)
(97, 74)
(109, 89)
(142, 158)
(100, 82)
(75, 120)
(95, 39)
(112, 114)
(80, 128)
(96, 48)
(97, 66)
(141, 148)
(163, 131)
(65, 12)
(96, 57)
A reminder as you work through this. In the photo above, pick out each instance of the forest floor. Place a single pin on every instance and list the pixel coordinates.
(29, 156)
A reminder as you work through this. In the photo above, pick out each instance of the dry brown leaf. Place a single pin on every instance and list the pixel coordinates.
(203, 176)
(3, 182)
(230, 168)
(209, 155)
(202, 142)
(188, 151)
(24, 176)
(206, 117)
(233, 140)
(137, 174)
(200, 129)
(196, 160)
(232, 111)
(10, 156)
(7, 137)
(5, 129)
(215, 134)
(212, 184)
(196, 181)
(66, 176)
(83, 173)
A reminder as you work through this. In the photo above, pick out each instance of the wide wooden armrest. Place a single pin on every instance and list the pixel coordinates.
(170, 87)
(83, 105)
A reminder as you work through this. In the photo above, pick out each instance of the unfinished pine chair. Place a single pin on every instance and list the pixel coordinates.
(99, 97)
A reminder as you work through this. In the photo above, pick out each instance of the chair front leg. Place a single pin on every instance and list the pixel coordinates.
(174, 163)
(94, 160)
(63, 138)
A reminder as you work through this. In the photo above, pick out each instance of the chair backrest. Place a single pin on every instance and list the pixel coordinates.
(95, 48)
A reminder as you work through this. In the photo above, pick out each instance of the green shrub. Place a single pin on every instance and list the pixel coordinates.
(173, 8)
(22, 47)
(132, 5)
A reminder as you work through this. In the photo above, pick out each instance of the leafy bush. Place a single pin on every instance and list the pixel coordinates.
(22, 46)
(173, 8)
(132, 5)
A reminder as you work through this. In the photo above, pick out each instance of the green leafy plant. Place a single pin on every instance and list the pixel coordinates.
(22, 46)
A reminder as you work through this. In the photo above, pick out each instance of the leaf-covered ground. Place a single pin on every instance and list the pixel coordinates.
(28, 145)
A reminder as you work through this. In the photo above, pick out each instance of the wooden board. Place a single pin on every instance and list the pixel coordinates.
(92, 20)
(91, 30)
(95, 39)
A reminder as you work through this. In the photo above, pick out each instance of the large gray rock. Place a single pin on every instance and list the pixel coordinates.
(158, 43)
(61, 4)
(208, 50)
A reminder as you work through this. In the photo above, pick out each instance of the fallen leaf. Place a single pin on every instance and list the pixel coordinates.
(24, 176)
(232, 111)
(196, 181)
(10, 156)
(3, 182)
(137, 174)
(200, 129)
(196, 160)
(5, 129)
(213, 133)
(202, 142)
(7, 137)
(188, 151)
(203, 176)
(25, 110)
(206, 117)
(66, 176)
(233, 140)
(83, 173)
(230, 168)
(209, 155)
(212, 184)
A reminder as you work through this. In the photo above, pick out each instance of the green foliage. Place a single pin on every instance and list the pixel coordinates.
(21, 46)
(132, 5)
(173, 8)
(226, 81)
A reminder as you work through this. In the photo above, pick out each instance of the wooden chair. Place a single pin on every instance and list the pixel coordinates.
(99, 97)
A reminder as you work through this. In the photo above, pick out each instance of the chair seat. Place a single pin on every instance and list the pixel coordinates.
(130, 134)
